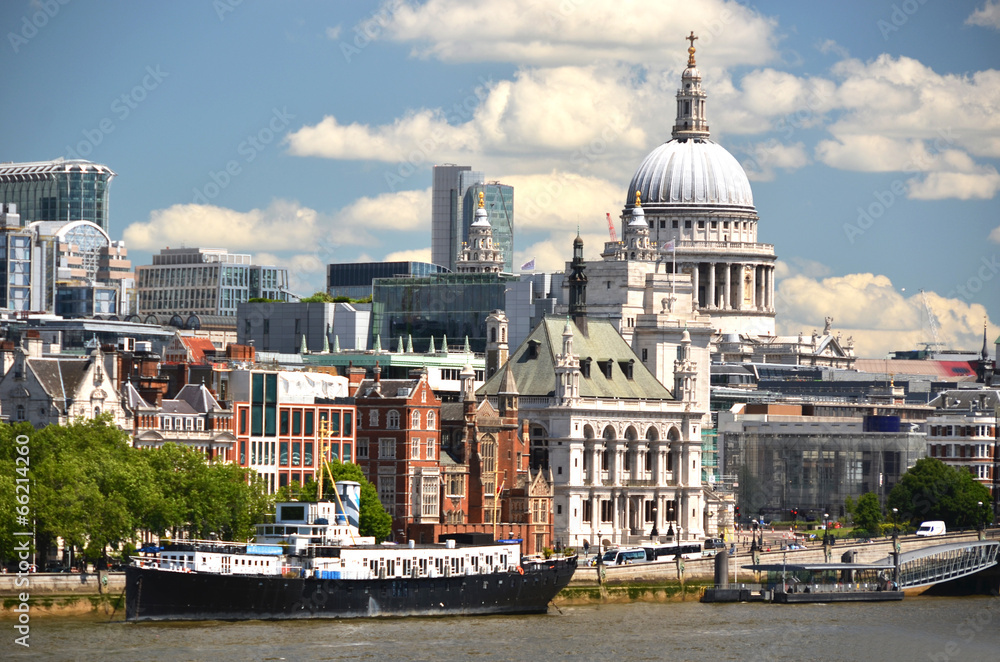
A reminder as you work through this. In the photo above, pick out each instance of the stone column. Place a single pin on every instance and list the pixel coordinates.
(710, 295)
(754, 301)
(694, 284)
(727, 293)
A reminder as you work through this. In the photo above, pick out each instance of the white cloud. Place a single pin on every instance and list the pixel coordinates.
(988, 16)
(880, 319)
(766, 156)
(283, 225)
(578, 31)
(995, 235)
(981, 185)
(333, 32)
(411, 255)
(830, 46)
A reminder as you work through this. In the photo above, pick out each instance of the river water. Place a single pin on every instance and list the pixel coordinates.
(921, 628)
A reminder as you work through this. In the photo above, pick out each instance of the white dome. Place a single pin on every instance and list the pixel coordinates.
(697, 172)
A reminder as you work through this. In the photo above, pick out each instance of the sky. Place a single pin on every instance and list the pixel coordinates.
(304, 132)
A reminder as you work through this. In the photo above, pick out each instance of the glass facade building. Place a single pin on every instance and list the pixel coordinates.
(446, 216)
(453, 305)
(59, 190)
(354, 279)
(498, 200)
(205, 281)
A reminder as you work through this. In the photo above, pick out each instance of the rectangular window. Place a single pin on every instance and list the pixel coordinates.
(606, 511)
(347, 457)
(431, 450)
(309, 423)
(387, 448)
(362, 449)
(588, 511)
(283, 427)
(429, 497)
(415, 449)
(297, 453)
(243, 452)
(243, 421)
(297, 422)
(387, 492)
(307, 457)
(348, 424)
(283, 453)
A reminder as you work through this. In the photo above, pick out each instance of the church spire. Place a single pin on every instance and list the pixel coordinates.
(691, 122)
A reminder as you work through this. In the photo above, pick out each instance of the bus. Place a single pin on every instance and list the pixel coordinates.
(671, 552)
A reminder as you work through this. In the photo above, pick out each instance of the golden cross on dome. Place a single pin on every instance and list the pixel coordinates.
(481, 205)
(691, 38)
(638, 199)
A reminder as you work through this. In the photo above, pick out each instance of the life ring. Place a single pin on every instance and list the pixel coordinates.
(520, 570)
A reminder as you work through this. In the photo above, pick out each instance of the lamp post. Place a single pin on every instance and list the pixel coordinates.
(826, 537)
(653, 533)
(980, 523)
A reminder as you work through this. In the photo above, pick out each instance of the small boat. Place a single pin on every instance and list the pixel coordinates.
(796, 583)
(311, 562)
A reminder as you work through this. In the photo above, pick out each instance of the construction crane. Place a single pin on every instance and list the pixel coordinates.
(930, 322)
(611, 228)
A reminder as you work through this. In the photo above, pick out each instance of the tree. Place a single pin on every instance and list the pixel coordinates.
(317, 297)
(868, 513)
(933, 490)
(373, 520)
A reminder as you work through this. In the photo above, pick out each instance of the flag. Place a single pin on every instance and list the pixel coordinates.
(669, 246)
(529, 265)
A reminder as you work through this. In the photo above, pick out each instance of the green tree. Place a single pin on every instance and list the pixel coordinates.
(849, 506)
(932, 490)
(868, 513)
(318, 297)
(373, 520)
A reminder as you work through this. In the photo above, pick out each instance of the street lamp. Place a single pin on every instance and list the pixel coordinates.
(895, 525)
(980, 521)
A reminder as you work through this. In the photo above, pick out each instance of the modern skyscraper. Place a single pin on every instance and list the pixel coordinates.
(59, 190)
(446, 198)
(498, 200)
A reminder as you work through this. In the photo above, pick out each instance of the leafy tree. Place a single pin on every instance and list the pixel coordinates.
(868, 513)
(373, 519)
(318, 297)
(932, 490)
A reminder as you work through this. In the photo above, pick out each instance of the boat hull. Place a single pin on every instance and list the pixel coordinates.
(152, 594)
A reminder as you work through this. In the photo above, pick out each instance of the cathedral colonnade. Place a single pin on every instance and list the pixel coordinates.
(725, 285)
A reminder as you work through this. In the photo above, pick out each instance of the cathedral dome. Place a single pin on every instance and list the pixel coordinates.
(697, 172)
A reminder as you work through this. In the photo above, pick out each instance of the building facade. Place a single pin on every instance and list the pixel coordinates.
(399, 447)
(205, 281)
(962, 432)
(59, 190)
(288, 328)
(354, 279)
(285, 421)
(497, 201)
(447, 195)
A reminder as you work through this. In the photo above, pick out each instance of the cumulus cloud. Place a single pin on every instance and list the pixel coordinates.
(411, 255)
(282, 225)
(995, 235)
(981, 185)
(988, 16)
(766, 156)
(575, 31)
(880, 318)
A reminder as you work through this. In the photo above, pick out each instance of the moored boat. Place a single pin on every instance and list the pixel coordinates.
(312, 563)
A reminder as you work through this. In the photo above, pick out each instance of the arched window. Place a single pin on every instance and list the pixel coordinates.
(588, 432)
(430, 420)
(373, 418)
(415, 419)
(392, 420)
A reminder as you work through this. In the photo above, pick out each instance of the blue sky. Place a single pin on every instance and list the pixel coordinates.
(303, 132)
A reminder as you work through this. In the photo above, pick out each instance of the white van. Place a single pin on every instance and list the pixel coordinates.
(624, 556)
(934, 528)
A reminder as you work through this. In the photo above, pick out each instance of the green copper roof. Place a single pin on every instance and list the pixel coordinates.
(535, 374)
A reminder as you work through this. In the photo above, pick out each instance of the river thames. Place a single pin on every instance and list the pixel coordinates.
(919, 628)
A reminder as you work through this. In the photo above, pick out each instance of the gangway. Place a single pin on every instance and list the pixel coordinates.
(942, 563)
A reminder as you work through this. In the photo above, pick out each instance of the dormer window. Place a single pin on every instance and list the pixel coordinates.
(533, 349)
(585, 367)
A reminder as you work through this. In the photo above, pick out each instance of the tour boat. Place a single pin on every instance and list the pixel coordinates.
(311, 562)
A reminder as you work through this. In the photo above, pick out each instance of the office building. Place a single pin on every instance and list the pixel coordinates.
(288, 328)
(354, 279)
(498, 201)
(59, 190)
(446, 200)
(205, 281)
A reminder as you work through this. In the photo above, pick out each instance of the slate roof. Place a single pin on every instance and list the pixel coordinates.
(537, 377)
(389, 388)
(61, 378)
(199, 398)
